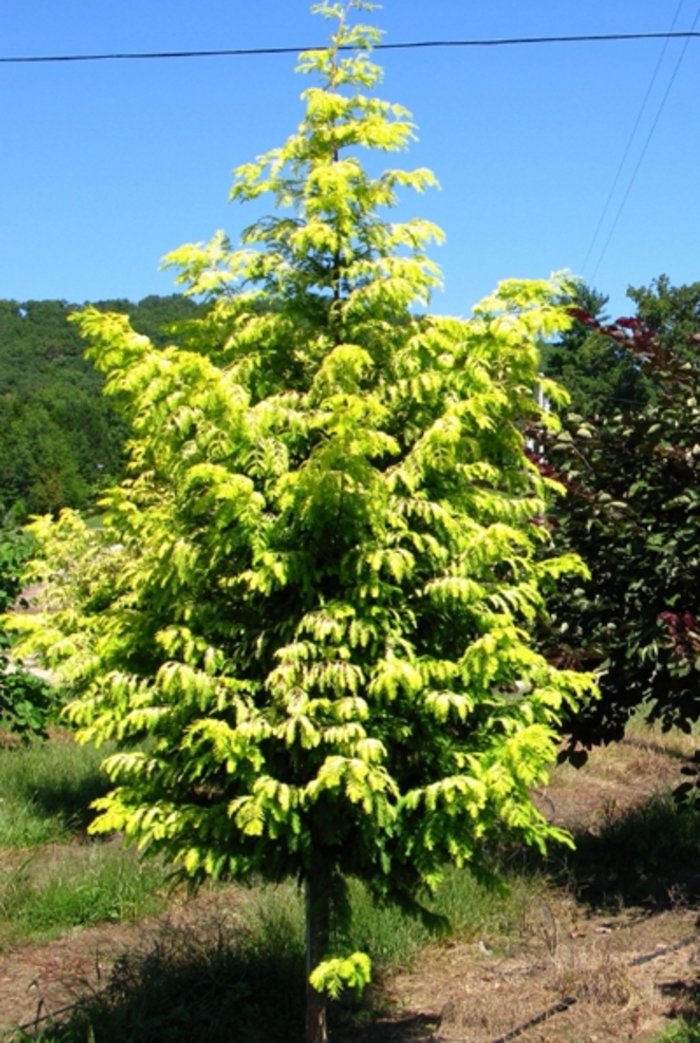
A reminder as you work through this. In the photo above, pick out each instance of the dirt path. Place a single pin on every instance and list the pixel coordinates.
(599, 977)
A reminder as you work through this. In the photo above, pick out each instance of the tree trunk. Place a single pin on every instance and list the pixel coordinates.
(318, 904)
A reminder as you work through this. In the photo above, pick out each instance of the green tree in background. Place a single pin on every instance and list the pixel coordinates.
(313, 590)
(60, 441)
(671, 312)
(601, 376)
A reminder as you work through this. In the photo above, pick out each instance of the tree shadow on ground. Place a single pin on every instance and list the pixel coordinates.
(230, 990)
(242, 988)
(70, 800)
(685, 999)
(57, 780)
(187, 988)
(645, 856)
(418, 1028)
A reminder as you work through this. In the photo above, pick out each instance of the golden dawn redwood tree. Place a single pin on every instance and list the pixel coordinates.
(312, 593)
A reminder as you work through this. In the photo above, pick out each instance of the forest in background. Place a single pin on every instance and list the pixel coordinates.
(60, 440)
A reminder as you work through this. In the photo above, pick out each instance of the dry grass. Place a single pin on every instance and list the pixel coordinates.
(573, 930)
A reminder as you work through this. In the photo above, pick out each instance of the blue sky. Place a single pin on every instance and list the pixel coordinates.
(105, 167)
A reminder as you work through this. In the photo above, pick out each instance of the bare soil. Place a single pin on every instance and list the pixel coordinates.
(574, 974)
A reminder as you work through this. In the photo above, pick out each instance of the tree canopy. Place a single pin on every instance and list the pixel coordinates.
(600, 374)
(632, 513)
(26, 701)
(672, 313)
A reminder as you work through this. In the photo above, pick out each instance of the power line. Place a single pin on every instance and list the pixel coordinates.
(643, 153)
(630, 140)
(419, 44)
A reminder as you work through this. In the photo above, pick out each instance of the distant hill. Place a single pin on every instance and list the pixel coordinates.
(60, 441)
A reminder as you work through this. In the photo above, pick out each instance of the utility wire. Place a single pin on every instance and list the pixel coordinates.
(419, 44)
(631, 138)
(643, 153)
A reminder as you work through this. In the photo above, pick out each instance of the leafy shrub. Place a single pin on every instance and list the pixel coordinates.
(26, 701)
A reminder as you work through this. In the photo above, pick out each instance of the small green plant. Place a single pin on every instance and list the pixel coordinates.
(27, 702)
(681, 1033)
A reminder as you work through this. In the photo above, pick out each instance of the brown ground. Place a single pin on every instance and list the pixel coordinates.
(40, 979)
(612, 977)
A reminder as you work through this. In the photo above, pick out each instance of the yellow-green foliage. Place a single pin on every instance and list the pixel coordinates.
(311, 595)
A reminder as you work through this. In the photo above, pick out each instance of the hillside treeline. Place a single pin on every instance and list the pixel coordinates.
(60, 440)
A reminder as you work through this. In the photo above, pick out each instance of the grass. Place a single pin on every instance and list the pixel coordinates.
(187, 988)
(393, 939)
(242, 981)
(42, 896)
(473, 910)
(246, 984)
(681, 1034)
(48, 882)
(46, 791)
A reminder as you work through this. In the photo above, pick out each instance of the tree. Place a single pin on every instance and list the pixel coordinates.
(628, 462)
(601, 377)
(632, 514)
(672, 313)
(312, 592)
